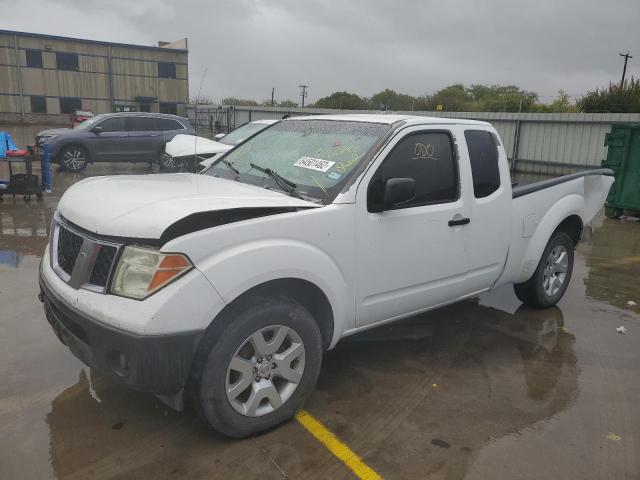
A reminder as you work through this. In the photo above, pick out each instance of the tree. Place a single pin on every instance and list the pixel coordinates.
(239, 102)
(343, 100)
(454, 98)
(288, 104)
(615, 99)
(498, 98)
(203, 100)
(391, 100)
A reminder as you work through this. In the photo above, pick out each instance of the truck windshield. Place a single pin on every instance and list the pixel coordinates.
(241, 133)
(317, 156)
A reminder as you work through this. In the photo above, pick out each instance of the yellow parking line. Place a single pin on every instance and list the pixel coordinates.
(335, 446)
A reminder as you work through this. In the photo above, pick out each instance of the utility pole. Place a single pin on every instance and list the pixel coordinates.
(303, 92)
(624, 69)
(273, 91)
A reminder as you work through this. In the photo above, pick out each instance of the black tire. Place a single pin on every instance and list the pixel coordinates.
(612, 212)
(74, 158)
(533, 292)
(222, 343)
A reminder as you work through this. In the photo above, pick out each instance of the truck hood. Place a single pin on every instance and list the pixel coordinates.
(188, 145)
(143, 206)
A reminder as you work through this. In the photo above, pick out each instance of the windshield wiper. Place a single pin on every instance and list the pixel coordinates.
(230, 165)
(286, 185)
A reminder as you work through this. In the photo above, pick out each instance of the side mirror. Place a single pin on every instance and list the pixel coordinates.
(96, 129)
(398, 191)
(219, 136)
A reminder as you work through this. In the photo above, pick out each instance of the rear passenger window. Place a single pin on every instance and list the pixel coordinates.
(167, 125)
(483, 153)
(114, 124)
(142, 124)
(428, 159)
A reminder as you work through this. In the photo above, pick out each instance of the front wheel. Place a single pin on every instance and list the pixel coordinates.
(551, 278)
(257, 370)
(74, 158)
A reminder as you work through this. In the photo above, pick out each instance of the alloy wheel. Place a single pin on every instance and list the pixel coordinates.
(555, 270)
(74, 159)
(265, 371)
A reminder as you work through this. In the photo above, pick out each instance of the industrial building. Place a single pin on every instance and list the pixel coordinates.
(51, 75)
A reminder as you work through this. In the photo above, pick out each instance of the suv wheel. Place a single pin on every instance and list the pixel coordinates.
(258, 370)
(74, 158)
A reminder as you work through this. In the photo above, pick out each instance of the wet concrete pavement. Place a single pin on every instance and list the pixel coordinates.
(483, 389)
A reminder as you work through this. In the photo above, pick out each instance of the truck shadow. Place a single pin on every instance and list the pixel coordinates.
(420, 397)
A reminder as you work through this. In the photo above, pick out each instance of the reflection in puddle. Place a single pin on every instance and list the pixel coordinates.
(462, 375)
(614, 264)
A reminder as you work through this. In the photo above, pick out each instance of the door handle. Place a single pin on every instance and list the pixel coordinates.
(459, 221)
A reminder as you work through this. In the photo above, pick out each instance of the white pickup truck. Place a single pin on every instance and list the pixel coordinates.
(229, 286)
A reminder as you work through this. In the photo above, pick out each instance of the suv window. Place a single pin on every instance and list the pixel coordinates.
(114, 124)
(428, 159)
(166, 124)
(483, 154)
(142, 124)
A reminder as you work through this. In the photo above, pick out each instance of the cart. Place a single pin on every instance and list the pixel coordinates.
(25, 182)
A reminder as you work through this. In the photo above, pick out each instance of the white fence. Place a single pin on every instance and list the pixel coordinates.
(544, 143)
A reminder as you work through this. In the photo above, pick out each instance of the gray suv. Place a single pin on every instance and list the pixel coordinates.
(113, 137)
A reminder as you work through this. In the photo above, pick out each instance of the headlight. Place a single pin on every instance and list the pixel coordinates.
(142, 271)
(46, 138)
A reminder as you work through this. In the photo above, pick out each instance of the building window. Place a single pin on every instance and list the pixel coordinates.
(38, 105)
(67, 61)
(171, 108)
(166, 70)
(70, 105)
(34, 58)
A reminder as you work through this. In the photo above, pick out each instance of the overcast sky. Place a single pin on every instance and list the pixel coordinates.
(362, 46)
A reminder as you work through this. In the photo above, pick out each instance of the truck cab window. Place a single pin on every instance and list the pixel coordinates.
(428, 159)
(483, 154)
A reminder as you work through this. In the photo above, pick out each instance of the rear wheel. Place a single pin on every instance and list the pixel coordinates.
(551, 278)
(258, 369)
(74, 158)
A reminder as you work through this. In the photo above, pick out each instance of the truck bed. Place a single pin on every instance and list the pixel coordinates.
(534, 187)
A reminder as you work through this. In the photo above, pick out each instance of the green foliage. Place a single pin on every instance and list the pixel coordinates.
(615, 99)
(391, 100)
(343, 100)
(288, 104)
(454, 98)
(562, 104)
(498, 98)
(239, 102)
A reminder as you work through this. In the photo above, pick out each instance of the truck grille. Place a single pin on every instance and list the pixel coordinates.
(102, 266)
(69, 245)
(80, 260)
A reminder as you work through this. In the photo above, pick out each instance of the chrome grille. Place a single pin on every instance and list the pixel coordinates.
(81, 260)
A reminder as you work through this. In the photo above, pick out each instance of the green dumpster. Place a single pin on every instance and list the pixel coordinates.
(623, 158)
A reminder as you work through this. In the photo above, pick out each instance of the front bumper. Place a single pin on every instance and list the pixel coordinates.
(158, 364)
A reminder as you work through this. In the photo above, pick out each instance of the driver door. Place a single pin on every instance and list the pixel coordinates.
(411, 256)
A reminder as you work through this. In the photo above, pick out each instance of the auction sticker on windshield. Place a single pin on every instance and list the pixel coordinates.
(316, 164)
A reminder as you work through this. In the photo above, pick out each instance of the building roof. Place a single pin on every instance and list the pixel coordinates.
(93, 42)
(390, 119)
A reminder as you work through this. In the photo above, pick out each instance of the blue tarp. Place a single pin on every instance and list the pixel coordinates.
(6, 143)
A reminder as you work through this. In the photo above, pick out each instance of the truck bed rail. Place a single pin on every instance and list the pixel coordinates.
(534, 187)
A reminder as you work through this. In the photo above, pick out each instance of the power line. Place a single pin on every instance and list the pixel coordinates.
(624, 69)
